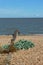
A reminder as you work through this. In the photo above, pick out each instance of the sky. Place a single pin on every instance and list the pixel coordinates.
(21, 8)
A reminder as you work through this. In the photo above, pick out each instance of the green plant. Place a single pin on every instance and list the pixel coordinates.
(23, 44)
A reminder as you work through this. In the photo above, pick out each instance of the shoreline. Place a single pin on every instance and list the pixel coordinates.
(6, 39)
(19, 35)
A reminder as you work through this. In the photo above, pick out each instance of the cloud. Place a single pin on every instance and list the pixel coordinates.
(10, 12)
(6, 13)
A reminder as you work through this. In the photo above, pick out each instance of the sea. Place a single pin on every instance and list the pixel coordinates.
(24, 25)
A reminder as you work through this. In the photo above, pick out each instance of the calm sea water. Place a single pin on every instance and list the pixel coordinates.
(26, 26)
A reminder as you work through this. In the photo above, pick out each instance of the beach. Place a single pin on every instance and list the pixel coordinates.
(32, 56)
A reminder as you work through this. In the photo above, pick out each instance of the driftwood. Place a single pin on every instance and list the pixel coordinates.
(11, 46)
(15, 34)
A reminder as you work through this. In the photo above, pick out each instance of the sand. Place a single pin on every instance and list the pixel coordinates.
(32, 56)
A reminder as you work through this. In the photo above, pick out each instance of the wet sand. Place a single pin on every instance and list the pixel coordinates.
(32, 56)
